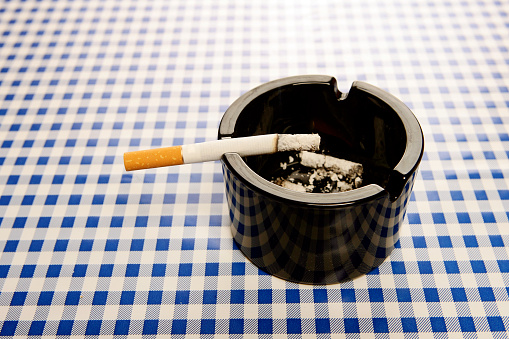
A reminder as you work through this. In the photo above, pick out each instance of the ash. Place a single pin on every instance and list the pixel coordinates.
(318, 173)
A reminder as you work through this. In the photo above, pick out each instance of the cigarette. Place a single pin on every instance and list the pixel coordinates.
(343, 167)
(214, 150)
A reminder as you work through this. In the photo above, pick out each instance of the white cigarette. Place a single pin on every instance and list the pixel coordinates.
(214, 150)
(343, 167)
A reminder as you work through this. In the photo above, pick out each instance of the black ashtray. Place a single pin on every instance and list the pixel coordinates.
(321, 238)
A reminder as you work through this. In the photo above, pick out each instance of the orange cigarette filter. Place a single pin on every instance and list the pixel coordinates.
(152, 158)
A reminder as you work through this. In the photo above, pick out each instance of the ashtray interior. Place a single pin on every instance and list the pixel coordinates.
(358, 127)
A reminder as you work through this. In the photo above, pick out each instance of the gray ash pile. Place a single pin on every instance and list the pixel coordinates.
(319, 173)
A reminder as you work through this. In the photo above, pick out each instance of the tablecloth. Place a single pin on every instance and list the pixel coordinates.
(88, 249)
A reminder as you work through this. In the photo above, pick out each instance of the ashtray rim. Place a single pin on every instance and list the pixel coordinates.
(403, 170)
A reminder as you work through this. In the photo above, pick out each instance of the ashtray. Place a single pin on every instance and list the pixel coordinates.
(321, 238)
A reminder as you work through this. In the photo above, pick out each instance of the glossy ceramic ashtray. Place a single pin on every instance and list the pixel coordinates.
(321, 238)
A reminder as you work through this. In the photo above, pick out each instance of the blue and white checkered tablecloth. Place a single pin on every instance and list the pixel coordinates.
(87, 249)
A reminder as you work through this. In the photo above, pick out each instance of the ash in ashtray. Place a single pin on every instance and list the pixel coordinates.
(319, 173)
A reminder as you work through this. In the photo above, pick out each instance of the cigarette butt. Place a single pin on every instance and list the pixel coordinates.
(152, 158)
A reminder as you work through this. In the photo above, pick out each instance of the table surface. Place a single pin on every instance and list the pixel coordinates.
(88, 249)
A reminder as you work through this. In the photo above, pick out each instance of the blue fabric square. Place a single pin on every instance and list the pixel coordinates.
(409, 325)
(265, 326)
(478, 266)
(322, 325)
(111, 245)
(413, 218)
(209, 297)
(92, 222)
(486, 294)
(18, 298)
(496, 324)
(496, 241)
(121, 199)
(459, 294)
(348, 295)
(488, 217)
(8, 328)
(36, 328)
(72, 298)
(351, 325)
(380, 325)
(451, 267)
(237, 296)
(463, 218)
(187, 244)
(375, 295)
(419, 241)
(80, 270)
(5, 199)
(470, 241)
(67, 222)
(11, 245)
(28, 200)
(43, 222)
(265, 296)
(106, 270)
(238, 268)
(61, 245)
(166, 221)
(398, 267)
(132, 270)
(467, 324)
(53, 271)
(45, 298)
(51, 200)
(444, 241)
(211, 269)
(182, 297)
(433, 195)
(145, 199)
(141, 221)
(292, 296)
(27, 271)
(158, 270)
(438, 324)
(214, 244)
(438, 218)
(185, 270)
(190, 220)
(19, 222)
(425, 267)
(65, 327)
(122, 327)
(293, 326)
(178, 326)
(100, 298)
(236, 326)
(431, 295)
(320, 296)
(503, 265)
(162, 244)
(127, 297)
(208, 326)
(150, 326)
(137, 244)
(155, 297)
(93, 327)
(35, 246)
(117, 221)
(403, 295)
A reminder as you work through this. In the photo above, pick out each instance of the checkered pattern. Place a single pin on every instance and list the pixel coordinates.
(87, 249)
